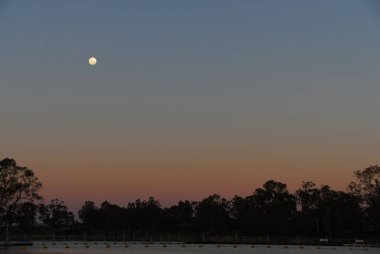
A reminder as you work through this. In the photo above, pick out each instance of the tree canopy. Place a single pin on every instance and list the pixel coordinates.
(271, 210)
(18, 185)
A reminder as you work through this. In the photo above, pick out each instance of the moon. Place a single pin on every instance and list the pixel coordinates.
(92, 61)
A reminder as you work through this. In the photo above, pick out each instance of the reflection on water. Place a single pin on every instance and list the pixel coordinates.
(159, 248)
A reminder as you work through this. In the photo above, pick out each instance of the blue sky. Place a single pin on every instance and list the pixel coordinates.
(215, 88)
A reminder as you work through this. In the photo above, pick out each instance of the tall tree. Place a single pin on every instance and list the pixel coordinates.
(90, 216)
(179, 217)
(308, 219)
(26, 216)
(56, 215)
(111, 217)
(272, 209)
(17, 185)
(366, 184)
(212, 214)
(145, 215)
(325, 212)
(239, 212)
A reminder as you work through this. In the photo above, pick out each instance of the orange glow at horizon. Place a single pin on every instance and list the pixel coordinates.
(185, 176)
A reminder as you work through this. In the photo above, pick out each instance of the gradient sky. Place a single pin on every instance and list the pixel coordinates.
(189, 98)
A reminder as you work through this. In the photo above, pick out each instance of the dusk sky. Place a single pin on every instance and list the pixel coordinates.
(188, 98)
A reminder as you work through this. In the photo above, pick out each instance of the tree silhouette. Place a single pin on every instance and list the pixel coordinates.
(18, 185)
(90, 216)
(111, 217)
(270, 210)
(26, 216)
(328, 213)
(367, 186)
(179, 218)
(212, 214)
(145, 215)
(56, 215)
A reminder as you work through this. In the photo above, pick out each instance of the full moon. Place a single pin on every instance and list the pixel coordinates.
(92, 61)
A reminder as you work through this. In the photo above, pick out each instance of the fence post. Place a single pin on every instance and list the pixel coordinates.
(7, 234)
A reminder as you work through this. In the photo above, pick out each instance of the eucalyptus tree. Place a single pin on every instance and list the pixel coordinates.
(90, 216)
(56, 215)
(271, 209)
(179, 218)
(212, 214)
(366, 184)
(18, 185)
(325, 212)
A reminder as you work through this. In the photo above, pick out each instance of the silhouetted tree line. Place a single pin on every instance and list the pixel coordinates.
(312, 211)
